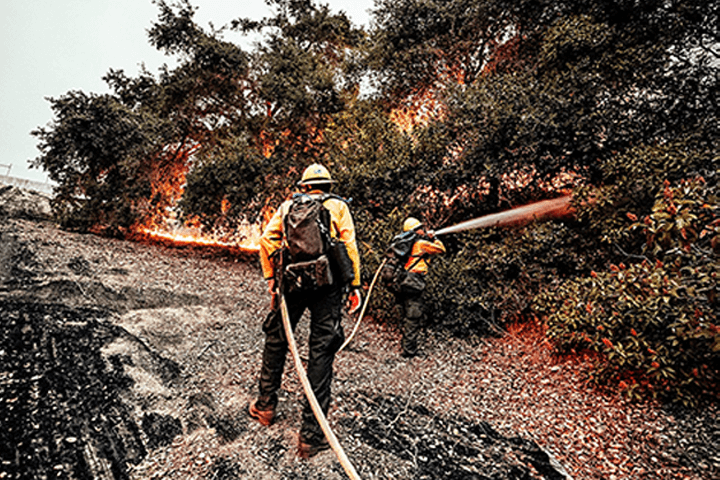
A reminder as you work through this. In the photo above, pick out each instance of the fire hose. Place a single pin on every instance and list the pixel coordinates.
(362, 311)
(557, 208)
(319, 415)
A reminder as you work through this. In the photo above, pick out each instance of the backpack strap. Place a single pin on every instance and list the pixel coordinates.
(324, 198)
(328, 196)
(419, 257)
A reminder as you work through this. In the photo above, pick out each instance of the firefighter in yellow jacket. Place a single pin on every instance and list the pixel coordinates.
(412, 289)
(314, 284)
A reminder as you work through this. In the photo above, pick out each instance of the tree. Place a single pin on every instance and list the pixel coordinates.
(612, 99)
(508, 102)
(301, 77)
(208, 93)
(420, 45)
(95, 151)
(120, 159)
(654, 320)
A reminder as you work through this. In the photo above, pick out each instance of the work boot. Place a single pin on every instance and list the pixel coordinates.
(265, 417)
(308, 449)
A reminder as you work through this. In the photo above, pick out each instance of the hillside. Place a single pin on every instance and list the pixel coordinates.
(130, 360)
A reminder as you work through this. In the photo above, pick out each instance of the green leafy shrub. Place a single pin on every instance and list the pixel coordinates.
(489, 277)
(221, 191)
(654, 321)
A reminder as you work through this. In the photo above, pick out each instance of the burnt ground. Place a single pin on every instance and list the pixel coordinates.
(131, 361)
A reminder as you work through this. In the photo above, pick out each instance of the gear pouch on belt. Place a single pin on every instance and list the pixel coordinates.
(308, 275)
(412, 283)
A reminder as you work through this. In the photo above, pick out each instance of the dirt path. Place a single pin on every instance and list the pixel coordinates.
(126, 360)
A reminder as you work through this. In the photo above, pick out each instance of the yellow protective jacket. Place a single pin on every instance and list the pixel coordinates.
(422, 249)
(341, 226)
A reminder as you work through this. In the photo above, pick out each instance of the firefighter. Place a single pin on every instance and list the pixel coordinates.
(412, 289)
(324, 301)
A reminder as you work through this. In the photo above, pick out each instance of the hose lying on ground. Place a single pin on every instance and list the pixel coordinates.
(362, 312)
(319, 415)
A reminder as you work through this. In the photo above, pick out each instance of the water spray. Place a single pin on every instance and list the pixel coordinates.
(543, 210)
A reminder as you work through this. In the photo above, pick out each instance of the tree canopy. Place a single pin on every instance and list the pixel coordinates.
(447, 110)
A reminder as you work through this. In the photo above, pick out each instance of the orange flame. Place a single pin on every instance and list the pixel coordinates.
(267, 144)
(424, 106)
(225, 206)
(160, 221)
(245, 238)
(185, 236)
(418, 110)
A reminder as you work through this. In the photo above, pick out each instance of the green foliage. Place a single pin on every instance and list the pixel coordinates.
(371, 155)
(633, 181)
(117, 157)
(617, 94)
(221, 189)
(301, 76)
(419, 44)
(489, 277)
(654, 322)
(92, 151)
(207, 92)
(609, 99)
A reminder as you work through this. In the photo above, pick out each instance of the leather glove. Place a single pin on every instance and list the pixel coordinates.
(354, 301)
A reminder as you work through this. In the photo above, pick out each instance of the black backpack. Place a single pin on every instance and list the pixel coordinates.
(307, 228)
(313, 258)
(396, 257)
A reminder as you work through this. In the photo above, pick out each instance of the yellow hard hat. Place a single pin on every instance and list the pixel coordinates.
(411, 223)
(315, 174)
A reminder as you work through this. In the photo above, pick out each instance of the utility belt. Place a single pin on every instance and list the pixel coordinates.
(308, 275)
(328, 269)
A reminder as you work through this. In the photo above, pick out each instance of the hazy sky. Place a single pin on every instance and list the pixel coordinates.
(49, 47)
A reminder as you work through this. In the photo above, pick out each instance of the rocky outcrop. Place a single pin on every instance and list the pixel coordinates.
(20, 203)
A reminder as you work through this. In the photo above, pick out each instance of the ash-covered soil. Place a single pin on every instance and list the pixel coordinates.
(131, 361)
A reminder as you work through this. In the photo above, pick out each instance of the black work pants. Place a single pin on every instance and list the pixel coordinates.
(413, 306)
(326, 336)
